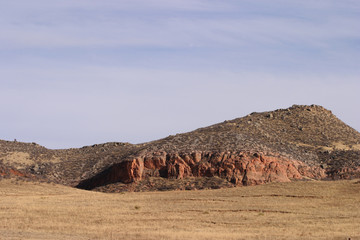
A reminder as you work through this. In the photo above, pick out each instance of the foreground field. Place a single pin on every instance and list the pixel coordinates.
(297, 210)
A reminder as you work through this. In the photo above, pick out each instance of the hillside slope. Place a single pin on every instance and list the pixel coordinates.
(300, 142)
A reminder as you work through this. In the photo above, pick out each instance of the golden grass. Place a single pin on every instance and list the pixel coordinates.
(333, 146)
(297, 210)
(342, 146)
(23, 159)
(20, 158)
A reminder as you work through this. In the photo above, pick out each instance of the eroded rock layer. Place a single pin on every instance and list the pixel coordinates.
(239, 168)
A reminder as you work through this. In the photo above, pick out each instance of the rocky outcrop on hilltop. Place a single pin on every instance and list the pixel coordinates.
(300, 142)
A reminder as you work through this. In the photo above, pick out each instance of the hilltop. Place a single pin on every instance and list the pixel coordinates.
(300, 142)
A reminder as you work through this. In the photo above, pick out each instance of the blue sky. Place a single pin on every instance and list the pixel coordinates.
(76, 73)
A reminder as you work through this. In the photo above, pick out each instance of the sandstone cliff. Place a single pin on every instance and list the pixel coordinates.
(239, 168)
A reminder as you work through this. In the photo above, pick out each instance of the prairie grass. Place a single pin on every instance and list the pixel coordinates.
(18, 158)
(296, 210)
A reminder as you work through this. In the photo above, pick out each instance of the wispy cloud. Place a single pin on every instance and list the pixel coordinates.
(91, 71)
(110, 23)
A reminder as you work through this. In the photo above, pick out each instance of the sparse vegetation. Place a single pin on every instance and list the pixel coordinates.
(310, 134)
(162, 184)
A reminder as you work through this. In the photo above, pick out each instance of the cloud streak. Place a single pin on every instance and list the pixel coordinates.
(81, 72)
(66, 26)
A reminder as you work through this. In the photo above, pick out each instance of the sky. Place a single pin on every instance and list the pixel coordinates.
(76, 73)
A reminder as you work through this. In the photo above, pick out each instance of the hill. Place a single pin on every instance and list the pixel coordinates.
(299, 142)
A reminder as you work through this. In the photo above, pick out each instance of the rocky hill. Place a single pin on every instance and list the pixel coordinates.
(301, 142)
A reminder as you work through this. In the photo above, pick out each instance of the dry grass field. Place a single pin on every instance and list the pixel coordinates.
(297, 210)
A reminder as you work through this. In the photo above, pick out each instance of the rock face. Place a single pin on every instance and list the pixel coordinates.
(239, 168)
(126, 172)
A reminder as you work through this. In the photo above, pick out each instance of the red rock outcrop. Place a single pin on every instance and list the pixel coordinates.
(11, 172)
(239, 168)
(126, 172)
